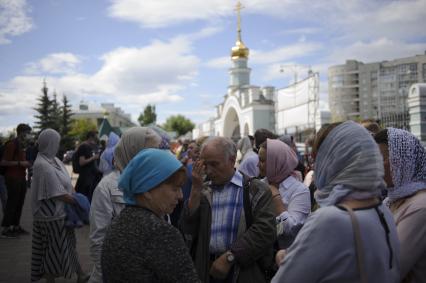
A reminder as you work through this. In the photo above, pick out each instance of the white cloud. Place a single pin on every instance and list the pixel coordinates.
(154, 14)
(56, 63)
(132, 76)
(161, 66)
(401, 20)
(349, 19)
(13, 19)
(284, 53)
(376, 50)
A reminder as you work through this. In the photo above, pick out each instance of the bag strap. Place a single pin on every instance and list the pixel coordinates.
(246, 200)
(358, 243)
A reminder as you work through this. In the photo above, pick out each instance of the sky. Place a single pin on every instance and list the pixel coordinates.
(176, 54)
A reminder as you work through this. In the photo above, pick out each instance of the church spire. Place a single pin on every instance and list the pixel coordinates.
(239, 50)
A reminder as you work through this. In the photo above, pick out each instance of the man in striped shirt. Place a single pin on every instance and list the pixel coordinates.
(214, 222)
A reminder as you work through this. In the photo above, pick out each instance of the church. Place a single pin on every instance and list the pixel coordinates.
(247, 107)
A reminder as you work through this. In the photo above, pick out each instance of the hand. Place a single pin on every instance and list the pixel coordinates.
(96, 156)
(198, 174)
(274, 189)
(220, 267)
(279, 257)
(25, 164)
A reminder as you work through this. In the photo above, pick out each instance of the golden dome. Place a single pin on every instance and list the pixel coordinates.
(239, 50)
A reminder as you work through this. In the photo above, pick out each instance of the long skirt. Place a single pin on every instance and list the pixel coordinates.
(53, 250)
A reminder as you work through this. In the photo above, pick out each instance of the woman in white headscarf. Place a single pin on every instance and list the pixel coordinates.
(53, 245)
(107, 201)
(404, 160)
(352, 237)
(249, 159)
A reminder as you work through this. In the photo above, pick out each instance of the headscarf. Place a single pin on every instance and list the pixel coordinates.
(165, 138)
(48, 143)
(407, 158)
(249, 165)
(132, 141)
(108, 153)
(148, 169)
(50, 177)
(287, 139)
(244, 145)
(348, 165)
(281, 161)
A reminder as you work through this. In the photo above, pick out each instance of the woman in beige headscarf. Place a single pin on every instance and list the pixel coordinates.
(107, 201)
(53, 245)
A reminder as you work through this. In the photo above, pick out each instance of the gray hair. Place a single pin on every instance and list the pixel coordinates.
(226, 145)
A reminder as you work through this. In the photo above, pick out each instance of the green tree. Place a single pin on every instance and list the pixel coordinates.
(65, 124)
(80, 128)
(55, 114)
(148, 116)
(44, 110)
(178, 124)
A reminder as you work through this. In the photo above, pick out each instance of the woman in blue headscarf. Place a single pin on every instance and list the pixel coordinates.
(352, 236)
(140, 245)
(105, 163)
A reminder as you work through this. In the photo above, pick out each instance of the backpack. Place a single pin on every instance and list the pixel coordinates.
(76, 162)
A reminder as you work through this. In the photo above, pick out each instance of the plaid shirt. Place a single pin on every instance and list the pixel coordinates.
(227, 203)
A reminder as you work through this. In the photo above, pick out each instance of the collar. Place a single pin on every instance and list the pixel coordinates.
(237, 180)
(288, 182)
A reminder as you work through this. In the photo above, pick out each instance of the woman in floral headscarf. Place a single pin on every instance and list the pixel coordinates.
(404, 160)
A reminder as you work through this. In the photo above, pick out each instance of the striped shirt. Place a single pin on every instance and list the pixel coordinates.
(227, 204)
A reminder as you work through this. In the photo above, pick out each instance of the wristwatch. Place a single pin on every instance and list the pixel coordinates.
(230, 257)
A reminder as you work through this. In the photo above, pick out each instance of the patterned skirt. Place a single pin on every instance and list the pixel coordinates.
(53, 250)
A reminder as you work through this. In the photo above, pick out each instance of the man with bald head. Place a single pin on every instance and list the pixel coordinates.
(214, 223)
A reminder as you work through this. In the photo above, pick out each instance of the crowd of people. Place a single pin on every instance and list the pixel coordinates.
(217, 210)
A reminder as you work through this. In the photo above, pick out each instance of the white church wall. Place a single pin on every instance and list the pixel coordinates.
(263, 119)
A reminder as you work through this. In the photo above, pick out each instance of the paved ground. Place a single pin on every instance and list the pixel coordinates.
(15, 254)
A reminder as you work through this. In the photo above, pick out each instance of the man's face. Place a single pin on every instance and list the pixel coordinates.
(218, 168)
(25, 137)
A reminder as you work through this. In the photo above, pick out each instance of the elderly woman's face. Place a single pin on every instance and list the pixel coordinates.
(193, 151)
(165, 197)
(386, 164)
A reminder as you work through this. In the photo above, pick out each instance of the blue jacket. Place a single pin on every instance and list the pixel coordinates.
(77, 214)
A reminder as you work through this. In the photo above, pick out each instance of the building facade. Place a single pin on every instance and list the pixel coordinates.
(115, 115)
(377, 90)
(417, 110)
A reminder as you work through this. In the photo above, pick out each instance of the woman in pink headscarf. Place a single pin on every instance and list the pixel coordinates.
(290, 197)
